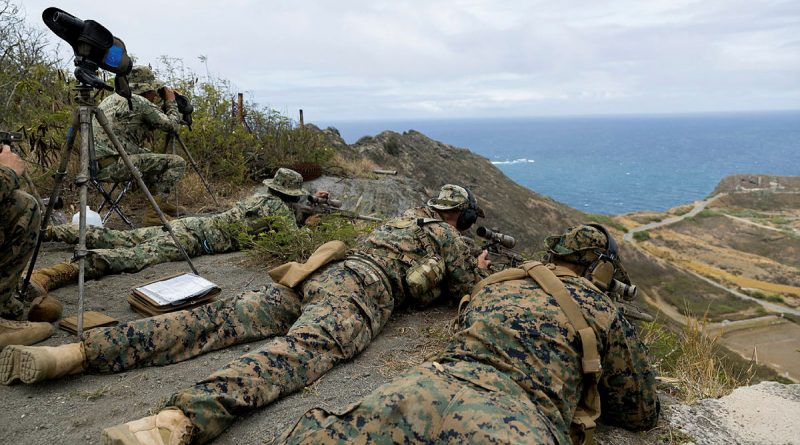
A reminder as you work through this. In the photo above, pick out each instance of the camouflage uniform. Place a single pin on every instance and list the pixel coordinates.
(511, 375)
(20, 218)
(131, 127)
(345, 305)
(117, 251)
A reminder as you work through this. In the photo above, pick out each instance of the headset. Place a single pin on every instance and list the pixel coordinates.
(468, 215)
(601, 270)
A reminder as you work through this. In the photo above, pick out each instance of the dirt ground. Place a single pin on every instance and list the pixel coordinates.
(75, 409)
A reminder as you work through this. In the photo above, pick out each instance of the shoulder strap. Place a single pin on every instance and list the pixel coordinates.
(588, 409)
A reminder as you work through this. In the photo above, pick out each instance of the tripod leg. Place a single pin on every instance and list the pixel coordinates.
(103, 121)
(197, 170)
(82, 181)
(58, 179)
(171, 141)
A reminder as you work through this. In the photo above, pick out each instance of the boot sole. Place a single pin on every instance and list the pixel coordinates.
(19, 365)
(9, 366)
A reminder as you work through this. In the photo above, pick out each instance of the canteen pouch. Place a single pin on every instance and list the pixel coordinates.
(423, 278)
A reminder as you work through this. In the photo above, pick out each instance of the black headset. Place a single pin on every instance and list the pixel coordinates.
(468, 215)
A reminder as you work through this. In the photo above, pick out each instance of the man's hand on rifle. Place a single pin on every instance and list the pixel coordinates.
(322, 194)
(483, 260)
(11, 160)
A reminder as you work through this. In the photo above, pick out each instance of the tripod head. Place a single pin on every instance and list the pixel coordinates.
(94, 47)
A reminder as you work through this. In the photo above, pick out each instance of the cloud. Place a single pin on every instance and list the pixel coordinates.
(350, 60)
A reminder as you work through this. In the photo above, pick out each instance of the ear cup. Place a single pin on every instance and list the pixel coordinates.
(469, 215)
(601, 273)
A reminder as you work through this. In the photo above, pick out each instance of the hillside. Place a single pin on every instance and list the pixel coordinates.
(74, 409)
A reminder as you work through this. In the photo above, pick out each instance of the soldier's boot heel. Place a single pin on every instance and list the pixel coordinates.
(168, 427)
(32, 364)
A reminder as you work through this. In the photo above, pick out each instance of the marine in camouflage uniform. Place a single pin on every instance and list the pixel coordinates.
(132, 127)
(118, 251)
(511, 375)
(345, 304)
(20, 217)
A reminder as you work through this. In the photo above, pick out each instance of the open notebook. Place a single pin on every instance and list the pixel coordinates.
(172, 294)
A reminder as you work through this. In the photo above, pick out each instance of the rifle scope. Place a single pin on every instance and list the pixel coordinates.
(504, 240)
(626, 291)
(324, 201)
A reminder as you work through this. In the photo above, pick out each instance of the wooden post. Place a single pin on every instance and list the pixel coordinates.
(302, 123)
(233, 107)
(240, 108)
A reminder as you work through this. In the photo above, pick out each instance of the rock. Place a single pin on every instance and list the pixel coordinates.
(766, 413)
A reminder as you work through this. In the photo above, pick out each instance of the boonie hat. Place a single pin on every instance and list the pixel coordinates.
(450, 197)
(286, 181)
(141, 80)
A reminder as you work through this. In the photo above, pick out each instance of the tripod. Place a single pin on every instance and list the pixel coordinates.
(82, 122)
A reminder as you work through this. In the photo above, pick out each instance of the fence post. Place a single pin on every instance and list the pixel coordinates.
(302, 123)
(240, 108)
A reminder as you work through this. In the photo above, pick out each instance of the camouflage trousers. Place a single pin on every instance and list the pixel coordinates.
(343, 310)
(117, 251)
(160, 171)
(20, 218)
(178, 336)
(456, 403)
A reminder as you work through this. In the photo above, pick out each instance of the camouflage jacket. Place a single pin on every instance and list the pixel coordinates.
(249, 214)
(9, 181)
(398, 244)
(522, 334)
(132, 126)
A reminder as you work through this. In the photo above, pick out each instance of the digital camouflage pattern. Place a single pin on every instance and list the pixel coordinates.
(578, 244)
(450, 197)
(117, 251)
(20, 218)
(345, 305)
(132, 128)
(178, 336)
(512, 374)
(287, 181)
(141, 79)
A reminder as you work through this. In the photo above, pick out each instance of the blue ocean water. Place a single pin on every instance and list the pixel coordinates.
(618, 164)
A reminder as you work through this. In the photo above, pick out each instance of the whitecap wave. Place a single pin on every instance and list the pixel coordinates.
(515, 161)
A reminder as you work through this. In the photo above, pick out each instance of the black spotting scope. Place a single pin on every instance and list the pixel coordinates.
(94, 47)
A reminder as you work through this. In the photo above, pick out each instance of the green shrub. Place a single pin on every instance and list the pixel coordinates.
(281, 242)
(644, 235)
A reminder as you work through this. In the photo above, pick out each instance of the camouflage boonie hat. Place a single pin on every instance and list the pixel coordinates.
(450, 197)
(580, 244)
(286, 181)
(141, 80)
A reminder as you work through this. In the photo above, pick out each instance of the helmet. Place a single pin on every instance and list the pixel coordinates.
(582, 244)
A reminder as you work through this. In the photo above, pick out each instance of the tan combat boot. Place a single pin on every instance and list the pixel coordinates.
(150, 218)
(31, 364)
(49, 278)
(23, 332)
(46, 309)
(168, 206)
(169, 427)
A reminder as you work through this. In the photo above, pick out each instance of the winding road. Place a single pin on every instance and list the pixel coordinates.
(699, 206)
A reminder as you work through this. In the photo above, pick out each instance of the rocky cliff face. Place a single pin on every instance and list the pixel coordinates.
(509, 207)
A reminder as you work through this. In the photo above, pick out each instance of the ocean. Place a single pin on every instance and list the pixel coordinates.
(617, 164)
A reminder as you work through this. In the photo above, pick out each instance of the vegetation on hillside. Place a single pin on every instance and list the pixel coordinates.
(36, 99)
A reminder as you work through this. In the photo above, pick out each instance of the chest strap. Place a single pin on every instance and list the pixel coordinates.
(547, 276)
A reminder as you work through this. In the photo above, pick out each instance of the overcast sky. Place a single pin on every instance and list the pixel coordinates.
(378, 59)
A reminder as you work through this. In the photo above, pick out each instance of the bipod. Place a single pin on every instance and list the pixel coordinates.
(82, 121)
(171, 137)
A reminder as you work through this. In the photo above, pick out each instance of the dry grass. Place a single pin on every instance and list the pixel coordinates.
(359, 168)
(426, 340)
(691, 360)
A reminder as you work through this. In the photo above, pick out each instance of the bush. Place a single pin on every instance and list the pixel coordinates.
(281, 242)
(644, 235)
(606, 221)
